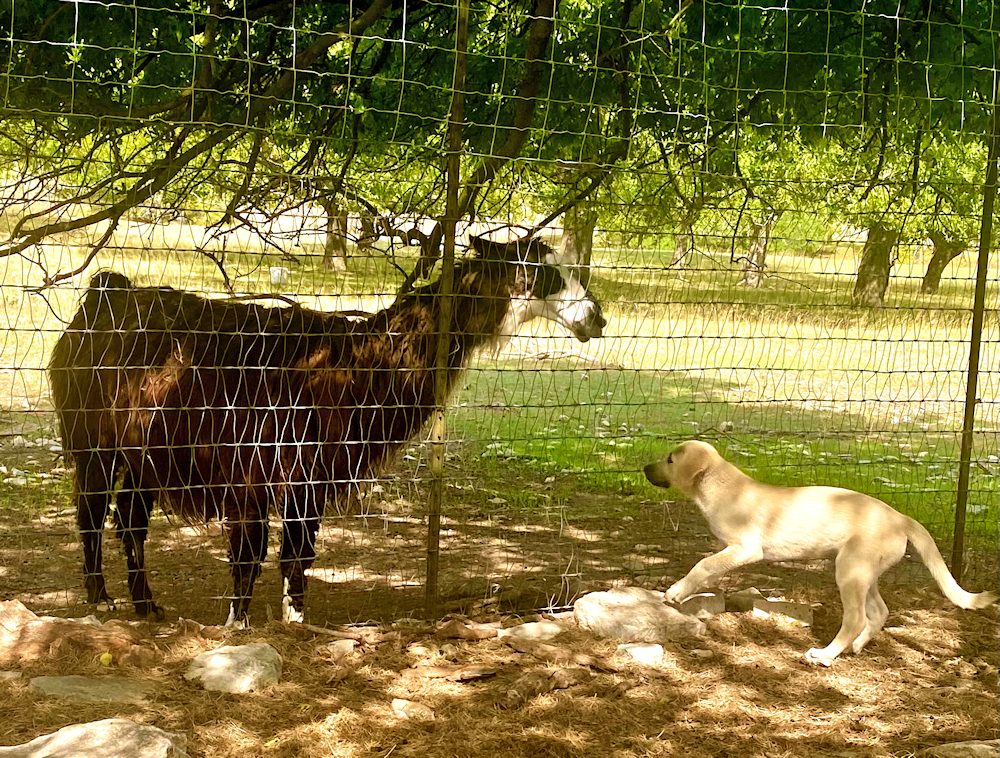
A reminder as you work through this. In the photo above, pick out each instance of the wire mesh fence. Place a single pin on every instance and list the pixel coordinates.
(780, 211)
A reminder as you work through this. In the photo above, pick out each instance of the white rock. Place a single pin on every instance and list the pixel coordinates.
(971, 749)
(103, 690)
(236, 669)
(645, 652)
(533, 630)
(111, 738)
(339, 649)
(633, 614)
(407, 709)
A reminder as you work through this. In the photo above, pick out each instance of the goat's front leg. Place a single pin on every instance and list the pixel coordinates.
(247, 548)
(711, 568)
(300, 524)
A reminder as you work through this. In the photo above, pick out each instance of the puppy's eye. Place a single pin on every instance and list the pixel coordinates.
(670, 458)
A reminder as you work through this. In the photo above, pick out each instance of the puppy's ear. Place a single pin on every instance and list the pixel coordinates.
(698, 475)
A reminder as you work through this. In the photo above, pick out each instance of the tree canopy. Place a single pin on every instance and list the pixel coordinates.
(665, 108)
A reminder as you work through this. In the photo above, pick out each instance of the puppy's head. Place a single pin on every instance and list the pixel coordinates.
(684, 467)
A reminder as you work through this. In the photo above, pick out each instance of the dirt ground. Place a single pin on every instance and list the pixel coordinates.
(742, 689)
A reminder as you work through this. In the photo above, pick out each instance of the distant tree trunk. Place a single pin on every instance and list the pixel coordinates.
(368, 234)
(945, 251)
(876, 263)
(756, 261)
(683, 243)
(577, 246)
(335, 249)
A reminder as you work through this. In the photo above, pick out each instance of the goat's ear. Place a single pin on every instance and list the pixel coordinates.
(479, 244)
(548, 281)
(488, 250)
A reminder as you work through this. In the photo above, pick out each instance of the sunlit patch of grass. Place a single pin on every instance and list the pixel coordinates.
(792, 381)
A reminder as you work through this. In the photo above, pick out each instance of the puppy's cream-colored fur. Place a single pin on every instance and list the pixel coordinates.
(762, 522)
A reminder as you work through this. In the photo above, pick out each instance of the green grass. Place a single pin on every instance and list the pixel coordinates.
(790, 380)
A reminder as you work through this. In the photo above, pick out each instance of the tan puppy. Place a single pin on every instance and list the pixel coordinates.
(762, 522)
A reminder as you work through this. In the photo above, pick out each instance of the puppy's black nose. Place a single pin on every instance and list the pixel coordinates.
(655, 474)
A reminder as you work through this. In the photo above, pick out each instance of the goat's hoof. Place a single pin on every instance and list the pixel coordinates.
(237, 620)
(146, 608)
(104, 604)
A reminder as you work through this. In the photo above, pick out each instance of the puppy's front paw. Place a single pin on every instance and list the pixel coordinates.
(677, 593)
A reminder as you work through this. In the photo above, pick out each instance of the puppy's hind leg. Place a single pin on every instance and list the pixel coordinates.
(890, 551)
(854, 577)
(877, 612)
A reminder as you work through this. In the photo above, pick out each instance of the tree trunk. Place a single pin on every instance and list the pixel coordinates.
(577, 246)
(756, 261)
(683, 243)
(876, 263)
(335, 249)
(369, 236)
(945, 251)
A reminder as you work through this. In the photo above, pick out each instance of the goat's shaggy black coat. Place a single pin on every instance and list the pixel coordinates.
(217, 409)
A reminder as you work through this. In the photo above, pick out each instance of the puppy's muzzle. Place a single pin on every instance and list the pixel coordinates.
(657, 475)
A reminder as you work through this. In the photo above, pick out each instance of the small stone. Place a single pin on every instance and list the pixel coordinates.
(704, 604)
(236, 669)
(970, 749)
(104, 690)
(644, 652)
(699, 653)
(742, 601)
(423, 649)
(534, 630)
(407, 709)
(339, 649)
(633, 614)
(799, 612)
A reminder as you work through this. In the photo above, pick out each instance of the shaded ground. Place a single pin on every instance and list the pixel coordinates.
(929, 678)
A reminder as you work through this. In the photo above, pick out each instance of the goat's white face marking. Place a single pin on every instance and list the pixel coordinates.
(571, 306)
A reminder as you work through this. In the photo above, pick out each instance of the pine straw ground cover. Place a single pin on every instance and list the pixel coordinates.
(929, 678)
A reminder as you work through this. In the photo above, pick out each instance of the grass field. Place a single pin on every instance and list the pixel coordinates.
(790, 380)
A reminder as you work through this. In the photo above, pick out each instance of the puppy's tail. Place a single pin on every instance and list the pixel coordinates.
(921, 539)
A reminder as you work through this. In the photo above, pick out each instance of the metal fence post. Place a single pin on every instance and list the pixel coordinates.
(438, 428)
(975, 340)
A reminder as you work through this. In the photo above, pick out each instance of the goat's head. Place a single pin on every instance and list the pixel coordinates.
(544, 288)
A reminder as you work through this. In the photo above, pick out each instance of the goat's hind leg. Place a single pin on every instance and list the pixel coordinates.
(132, 521)
(95, 480)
